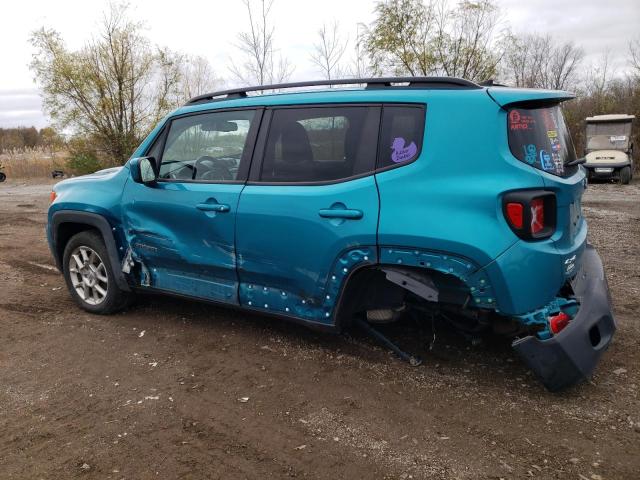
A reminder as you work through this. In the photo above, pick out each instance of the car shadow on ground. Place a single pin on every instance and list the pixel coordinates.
(487, 358)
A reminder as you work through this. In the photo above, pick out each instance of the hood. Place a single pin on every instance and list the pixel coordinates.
(104, 174)
(504, 96)
(606, 156)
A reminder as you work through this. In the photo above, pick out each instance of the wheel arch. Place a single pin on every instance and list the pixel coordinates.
(67, 223)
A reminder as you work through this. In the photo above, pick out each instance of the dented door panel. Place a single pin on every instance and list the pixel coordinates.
(183, 235)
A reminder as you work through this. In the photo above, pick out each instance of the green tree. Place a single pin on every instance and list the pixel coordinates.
(410, 37)
(400, 40)
(114, 89)
(467, 43)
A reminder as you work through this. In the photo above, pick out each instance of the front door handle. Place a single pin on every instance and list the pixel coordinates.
(348, 213)
(213, 207)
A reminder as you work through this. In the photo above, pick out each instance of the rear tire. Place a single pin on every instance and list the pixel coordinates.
(3, 177)
(625, 175)
(89, 275)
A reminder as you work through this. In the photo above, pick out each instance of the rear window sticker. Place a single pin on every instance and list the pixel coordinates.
(530, 153)
(617, 138)
(520, 121)
(401, 152)
(546, 161)
(557, 162)
(548, 120)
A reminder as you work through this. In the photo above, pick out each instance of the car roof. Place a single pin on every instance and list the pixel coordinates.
(355, 90)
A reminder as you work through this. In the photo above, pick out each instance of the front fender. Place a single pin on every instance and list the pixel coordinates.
(96, 221)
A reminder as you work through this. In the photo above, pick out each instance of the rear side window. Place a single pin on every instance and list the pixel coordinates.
(540, 138)
(401, 135)
(319, 144)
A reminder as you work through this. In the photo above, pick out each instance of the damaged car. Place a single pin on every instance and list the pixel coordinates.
(337, 206)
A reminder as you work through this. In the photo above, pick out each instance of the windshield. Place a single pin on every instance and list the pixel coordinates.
(608, 136)
(540, 138)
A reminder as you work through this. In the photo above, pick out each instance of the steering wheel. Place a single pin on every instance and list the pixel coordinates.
(212, 169)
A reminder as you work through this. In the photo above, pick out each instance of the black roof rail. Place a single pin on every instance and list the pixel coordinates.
(491, 83)
(371, 83)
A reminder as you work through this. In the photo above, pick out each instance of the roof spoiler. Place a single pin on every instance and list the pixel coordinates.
(523, 97)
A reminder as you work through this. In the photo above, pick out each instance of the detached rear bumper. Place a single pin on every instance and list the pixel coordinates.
(571, 356)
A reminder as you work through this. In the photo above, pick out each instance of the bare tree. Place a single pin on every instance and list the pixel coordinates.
(563, 66)
(259, 64)
(533, 61)
(198, 77)
(466, 43)
(328, 50)
(525, 59)
(634, 56)
(359, 65)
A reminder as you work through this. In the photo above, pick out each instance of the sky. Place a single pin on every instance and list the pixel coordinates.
(209, 28)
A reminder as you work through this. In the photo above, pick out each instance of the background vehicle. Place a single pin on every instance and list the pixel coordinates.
(3, 177)
(609, 149)
(429, 195)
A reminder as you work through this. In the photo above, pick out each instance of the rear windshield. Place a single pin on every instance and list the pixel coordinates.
(540, 138)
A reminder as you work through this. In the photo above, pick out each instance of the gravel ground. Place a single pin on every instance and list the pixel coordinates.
(176, 389)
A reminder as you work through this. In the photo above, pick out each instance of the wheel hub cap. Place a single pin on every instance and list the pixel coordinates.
(88, 275)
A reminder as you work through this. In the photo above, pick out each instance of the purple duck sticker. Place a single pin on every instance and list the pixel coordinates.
(401, 152)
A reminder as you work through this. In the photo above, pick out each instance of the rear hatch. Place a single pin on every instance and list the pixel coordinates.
(539, 137)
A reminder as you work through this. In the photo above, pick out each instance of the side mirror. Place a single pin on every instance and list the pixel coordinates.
(143, 170)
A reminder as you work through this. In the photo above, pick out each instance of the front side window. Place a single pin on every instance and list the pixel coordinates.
(401, 135)
(540, 138)
(206, 147)
(319, 144)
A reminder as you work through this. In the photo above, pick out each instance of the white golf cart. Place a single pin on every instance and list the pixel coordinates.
(609, 151)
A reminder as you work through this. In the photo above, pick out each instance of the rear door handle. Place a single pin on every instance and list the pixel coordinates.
(340, 213)
(213, 207)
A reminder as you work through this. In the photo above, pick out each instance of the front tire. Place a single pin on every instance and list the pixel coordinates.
(625, 175)
(3, 177)
(89, 275)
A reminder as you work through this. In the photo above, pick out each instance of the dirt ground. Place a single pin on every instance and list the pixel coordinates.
(177, 389)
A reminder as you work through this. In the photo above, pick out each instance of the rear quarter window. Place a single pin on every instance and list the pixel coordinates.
(401, 135)
(540, 138)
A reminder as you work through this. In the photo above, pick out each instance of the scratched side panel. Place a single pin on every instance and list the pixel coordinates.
(289, 257)
(185, 250)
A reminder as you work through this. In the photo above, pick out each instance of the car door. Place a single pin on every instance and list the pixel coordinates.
(181, 230)
(308, 216)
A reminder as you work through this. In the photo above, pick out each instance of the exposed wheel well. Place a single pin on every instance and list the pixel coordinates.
(369, 289)
(65, 232)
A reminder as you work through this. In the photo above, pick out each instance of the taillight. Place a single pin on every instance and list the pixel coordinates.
(515, 214)
(531, 214)
(52, 196)
(557, 323)
(537, 215)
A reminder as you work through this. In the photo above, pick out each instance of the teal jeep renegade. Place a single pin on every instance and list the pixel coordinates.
(328, 207)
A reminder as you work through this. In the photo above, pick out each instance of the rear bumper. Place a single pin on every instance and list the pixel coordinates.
(571, 356)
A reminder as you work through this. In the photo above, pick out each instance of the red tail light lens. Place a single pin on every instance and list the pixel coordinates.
(537, 215)
(515, 213)
(531, 214)
(557, 323)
